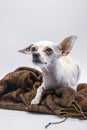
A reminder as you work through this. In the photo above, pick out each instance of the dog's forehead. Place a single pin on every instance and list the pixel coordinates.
(43, 44)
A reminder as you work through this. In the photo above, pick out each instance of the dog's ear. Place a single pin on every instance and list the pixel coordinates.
(27, 49)
(66, 45)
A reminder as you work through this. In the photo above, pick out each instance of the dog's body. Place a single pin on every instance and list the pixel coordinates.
(63, 72)
(57, 67)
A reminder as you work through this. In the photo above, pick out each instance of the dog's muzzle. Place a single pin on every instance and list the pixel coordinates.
(36, 58)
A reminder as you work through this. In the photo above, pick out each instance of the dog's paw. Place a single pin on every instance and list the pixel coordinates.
(35, 101)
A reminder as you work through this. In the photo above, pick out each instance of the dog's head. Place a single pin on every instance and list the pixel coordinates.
(46, 52)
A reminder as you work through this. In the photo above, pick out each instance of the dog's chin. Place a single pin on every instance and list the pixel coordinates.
(38, 62)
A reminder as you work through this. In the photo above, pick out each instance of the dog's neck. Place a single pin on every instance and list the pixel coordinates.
(50, 69)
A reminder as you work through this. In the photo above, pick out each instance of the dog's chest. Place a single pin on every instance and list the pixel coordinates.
(50, 79)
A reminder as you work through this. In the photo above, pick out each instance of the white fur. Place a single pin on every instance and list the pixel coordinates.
(64, 72)
(58, 69)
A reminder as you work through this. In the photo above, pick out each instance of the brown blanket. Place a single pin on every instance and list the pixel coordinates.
(19, 87)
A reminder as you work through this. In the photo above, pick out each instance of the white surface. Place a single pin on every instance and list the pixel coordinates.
(14, 120)
(22, 21)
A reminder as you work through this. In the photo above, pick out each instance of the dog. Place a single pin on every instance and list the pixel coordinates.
(58, 68)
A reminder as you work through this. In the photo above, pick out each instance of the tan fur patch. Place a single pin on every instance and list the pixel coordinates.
(49, 53)
(65, 46)
(29, 47)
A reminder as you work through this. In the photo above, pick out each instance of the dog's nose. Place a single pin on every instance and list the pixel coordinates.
(36, 55)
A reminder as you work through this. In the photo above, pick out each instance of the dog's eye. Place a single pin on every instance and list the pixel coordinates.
(33, 49)
(49, 49)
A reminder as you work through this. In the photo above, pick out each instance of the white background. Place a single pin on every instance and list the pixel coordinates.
(23, 21)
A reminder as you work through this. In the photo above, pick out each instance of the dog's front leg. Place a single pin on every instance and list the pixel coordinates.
(39, 95)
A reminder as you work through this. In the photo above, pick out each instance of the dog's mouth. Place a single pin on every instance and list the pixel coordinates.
(38, 61)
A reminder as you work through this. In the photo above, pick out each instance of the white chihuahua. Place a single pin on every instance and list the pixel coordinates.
(57, 67)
